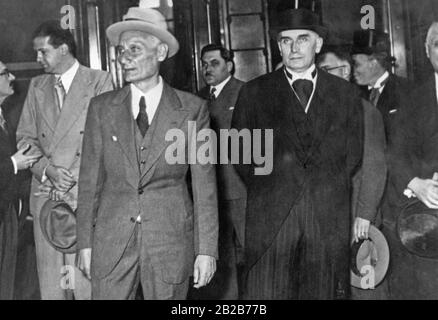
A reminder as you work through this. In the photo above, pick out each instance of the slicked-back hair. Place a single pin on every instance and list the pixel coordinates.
(226, 54)
(57, 35)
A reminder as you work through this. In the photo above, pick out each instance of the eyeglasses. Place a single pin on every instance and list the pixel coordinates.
(327, 69)
(5, 73)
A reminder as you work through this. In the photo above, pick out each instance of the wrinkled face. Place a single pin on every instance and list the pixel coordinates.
(6, 79)
(140, 55)
(364, 69)
(298, 48)
(432, 49)
(335, 66)
(214, 68)
(49, 57)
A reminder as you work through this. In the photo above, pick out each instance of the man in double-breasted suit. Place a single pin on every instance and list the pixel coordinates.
(139, 220)
(298, 216)
(52, 122)
(221, 91)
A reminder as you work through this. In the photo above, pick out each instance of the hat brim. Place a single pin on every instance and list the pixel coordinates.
(417, 229)
(322, 31)
(382, 262)
(114, 31)
(45, 226)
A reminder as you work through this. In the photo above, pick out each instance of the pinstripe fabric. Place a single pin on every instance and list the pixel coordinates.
(296, 265)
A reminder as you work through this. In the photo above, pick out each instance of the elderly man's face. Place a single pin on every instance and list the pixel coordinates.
(214, 68)
(298, 48)
(432, 49)
(140, 55)
(6, 79)
(49, 57)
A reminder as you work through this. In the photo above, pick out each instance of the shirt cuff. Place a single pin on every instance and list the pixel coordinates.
(14, 163)
(44, 177)
(409, 193)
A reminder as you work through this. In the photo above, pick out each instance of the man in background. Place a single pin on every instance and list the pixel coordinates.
(11, 162)
(369, 181)
(221, 91)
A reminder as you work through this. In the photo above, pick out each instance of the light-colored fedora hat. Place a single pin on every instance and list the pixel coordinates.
(371, 253)
(147, 20)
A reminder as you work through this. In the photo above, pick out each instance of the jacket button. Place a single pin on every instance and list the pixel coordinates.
(132, 220)
(143, 161)
(44, 135)
(78, 154)
(140, 191)
(143, 148)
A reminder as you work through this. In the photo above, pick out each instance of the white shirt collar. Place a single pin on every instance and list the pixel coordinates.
(152, 97)
(304, 75)
(378, 84)
(307, 75)
(68, 76)
(220, 86)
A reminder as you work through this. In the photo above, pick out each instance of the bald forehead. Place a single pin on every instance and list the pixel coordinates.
(432, 33)
(294, 33)
(134, 34)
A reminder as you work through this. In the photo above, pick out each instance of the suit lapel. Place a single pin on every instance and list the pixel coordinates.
(76, 102)
(123, 128)
(286, 99)
(46, 98)
(169, 115)
(319, 109)
(385, 103)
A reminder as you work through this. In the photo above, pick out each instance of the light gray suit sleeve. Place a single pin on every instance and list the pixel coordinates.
(205, 198)
(27, 132)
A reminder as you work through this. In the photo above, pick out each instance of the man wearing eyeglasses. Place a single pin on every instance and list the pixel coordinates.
(369, 181)
(11, 162)
(52, 122)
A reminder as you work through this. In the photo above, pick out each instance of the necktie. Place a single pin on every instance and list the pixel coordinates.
(303, 88)
(3, 121)
(375, 92)
(212, 97)
(142, 118)
(60, 92)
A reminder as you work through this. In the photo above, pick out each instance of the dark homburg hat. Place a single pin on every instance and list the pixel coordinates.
(370, 41)
(58, 224)
(305, 19)
(417, 228)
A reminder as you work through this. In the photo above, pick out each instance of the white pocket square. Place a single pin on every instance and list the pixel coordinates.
(114, 138)
(393, 110)
(231, 108)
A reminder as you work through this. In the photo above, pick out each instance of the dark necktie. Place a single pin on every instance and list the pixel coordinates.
(374, 96)
(303, 89)
(142, 118)
(212, 97)
(375, 93)
(3, 124)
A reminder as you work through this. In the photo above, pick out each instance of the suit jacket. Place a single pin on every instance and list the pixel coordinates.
(8, 180)
(57, 135)
(114, 188)
(395, 97)
(369, 181)
(221, 109)
(327, 169)
(414, 152)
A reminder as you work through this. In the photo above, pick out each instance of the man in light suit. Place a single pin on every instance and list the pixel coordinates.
(140, 222)
(52, 122)
(222, 90)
